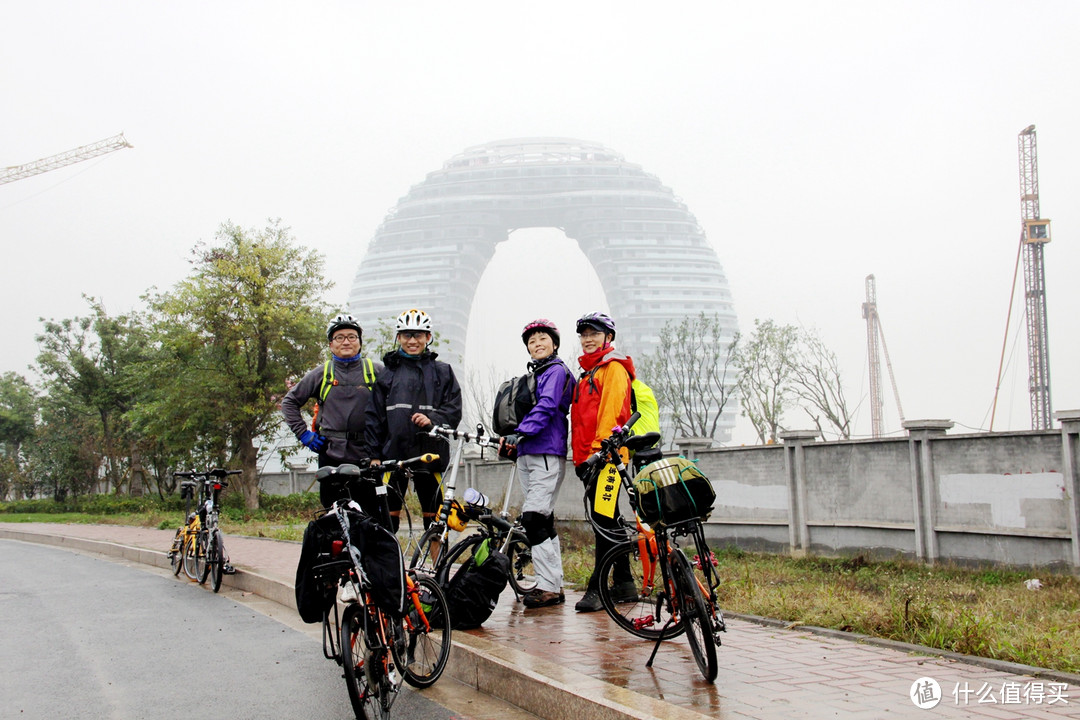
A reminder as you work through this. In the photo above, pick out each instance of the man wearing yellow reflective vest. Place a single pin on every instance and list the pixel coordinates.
(341, 388)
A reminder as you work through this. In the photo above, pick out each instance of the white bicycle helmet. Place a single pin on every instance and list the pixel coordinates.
(343, 321)
(413, 320)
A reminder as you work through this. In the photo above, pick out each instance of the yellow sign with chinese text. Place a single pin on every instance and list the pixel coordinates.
(607, 491)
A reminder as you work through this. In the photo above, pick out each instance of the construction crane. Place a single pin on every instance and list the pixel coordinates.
(53, 162)
(1034, 234)
(874, 333)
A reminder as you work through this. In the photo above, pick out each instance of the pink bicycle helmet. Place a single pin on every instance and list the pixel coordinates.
(540, 324)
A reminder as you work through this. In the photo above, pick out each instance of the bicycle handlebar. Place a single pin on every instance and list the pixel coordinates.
(619, 437)
(391, 465)
(480, 437)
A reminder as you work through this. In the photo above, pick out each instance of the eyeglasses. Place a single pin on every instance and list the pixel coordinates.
(344, 338)
(590, 333)
(411, 334)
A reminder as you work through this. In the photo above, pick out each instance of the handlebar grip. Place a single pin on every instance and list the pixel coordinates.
(633, 419)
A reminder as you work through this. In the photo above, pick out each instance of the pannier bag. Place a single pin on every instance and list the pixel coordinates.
(314, 594)
(473, 591)
(672, 490)
(380, 559)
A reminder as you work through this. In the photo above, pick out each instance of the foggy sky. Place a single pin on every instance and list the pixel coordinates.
(816, 143)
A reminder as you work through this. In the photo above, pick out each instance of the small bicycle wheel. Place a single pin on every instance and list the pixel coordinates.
(216, 559)
(176, 553)
(353, 655)
(644, 609)
(190, 543)
(367, 669)
(522, 574)
(427, 646)
(695, 614)
(202, 546)
(422, 557)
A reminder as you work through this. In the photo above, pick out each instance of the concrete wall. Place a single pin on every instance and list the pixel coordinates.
(1007, 498)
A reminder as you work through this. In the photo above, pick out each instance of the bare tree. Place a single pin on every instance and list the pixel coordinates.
(817, 383)
(766, 368)
(689, 373)
(478, 386)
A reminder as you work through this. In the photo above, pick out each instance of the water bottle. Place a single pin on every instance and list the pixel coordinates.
(475, 498)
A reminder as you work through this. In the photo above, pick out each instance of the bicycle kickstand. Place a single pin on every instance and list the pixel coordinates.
(659, 640)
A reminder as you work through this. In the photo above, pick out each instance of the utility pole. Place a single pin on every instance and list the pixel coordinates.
(1034, 234)
(53, 162)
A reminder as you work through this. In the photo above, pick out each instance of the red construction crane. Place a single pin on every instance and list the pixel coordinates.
(53, 162)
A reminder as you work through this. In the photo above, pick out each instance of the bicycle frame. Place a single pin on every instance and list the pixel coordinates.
(449, 488)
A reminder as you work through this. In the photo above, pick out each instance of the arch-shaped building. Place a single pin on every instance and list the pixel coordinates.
(651, 256)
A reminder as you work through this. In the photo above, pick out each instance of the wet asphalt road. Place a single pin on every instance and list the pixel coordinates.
(83, 637)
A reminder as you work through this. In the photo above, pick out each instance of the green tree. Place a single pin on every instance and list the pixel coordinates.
(64, 457)
(691, 373)
(18, 413)
(766, 365)
(88, 366)
(247, 318)
(18, 417)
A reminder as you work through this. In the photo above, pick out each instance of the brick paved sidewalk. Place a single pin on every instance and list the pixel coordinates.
(765, 672)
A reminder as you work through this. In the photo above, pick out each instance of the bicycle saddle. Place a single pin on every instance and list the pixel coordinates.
(640, 442)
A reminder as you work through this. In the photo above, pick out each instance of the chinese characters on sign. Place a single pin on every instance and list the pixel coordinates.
(926, 693)
(1011, 692)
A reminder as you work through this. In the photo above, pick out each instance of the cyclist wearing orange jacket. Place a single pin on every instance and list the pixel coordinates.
(601, 401)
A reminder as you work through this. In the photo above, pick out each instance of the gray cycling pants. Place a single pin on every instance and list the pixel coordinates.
(541, 476)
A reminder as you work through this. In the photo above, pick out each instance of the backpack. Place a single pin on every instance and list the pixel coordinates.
(513, 401)
(516, 398)
(672, 490)
(473, 591)
(328, 382)
(642, 400)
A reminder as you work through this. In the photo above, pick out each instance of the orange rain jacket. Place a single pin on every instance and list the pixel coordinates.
(601, 399)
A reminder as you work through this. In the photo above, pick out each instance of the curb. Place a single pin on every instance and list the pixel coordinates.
(545, 689)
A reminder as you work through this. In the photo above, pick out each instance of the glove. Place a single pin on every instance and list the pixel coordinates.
(585, 472)
(313, 441)
(508, 446)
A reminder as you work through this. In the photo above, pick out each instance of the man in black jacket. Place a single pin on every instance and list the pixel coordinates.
(413, 392)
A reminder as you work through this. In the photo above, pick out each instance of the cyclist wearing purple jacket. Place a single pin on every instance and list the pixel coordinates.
(540, 439)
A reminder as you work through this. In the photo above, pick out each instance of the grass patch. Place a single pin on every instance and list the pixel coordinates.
(989, 613)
